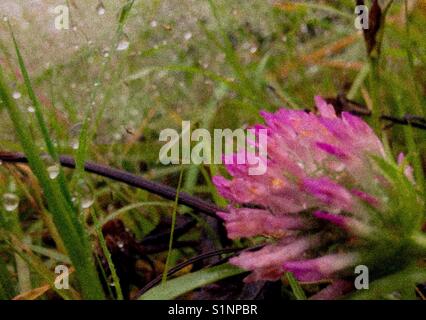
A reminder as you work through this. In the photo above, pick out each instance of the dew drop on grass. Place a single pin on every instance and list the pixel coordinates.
(84, 195)
(16, 95)
(53, 171)
(105, 53)
(100, 9)
(75, 143)
(187, 36)
(10, 202)
(87, 201)
(253, 50)
(74, 133)
(124, 43)
(52, 167)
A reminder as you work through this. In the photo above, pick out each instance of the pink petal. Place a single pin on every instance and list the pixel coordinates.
(334, 291)
(333, 150)
(246, 222)
(329, 192)
(326, 110)
(320, 268)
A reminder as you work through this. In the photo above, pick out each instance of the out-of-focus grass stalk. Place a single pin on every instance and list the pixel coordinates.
(87, 129)
(413, 149)
(172, 230)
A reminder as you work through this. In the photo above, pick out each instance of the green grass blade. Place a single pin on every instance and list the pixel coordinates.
(172, 231)
(107, 255)
(78, 247)
(179, 286)
(295, 286)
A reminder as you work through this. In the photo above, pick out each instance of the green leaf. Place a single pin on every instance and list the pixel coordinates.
(177, 287)
(124, 13)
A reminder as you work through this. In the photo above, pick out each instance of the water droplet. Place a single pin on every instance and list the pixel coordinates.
(52, 167)
(153, 24)
(105, 53)
(53, 171)
(75, 144)
(10, 202)
(84, 194)
(16, 95)
(187, 36)
(31, 109)
(100, 9)
(74, 133)
(123, 44)
(87, 202)
(117, 136)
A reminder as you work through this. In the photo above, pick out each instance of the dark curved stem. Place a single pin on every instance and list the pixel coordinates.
(129, 179)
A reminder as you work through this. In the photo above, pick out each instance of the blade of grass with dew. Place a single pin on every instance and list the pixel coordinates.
(39, 116)
(108, 257)
(45, 133)
(295, 287)
(181, 285)
(87, 132)
(78, 247)
(172, 230)
(13, 226)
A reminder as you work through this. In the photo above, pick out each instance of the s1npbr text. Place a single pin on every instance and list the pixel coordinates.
(215, 309)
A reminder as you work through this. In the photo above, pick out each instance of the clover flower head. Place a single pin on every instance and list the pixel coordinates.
(330, 199)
